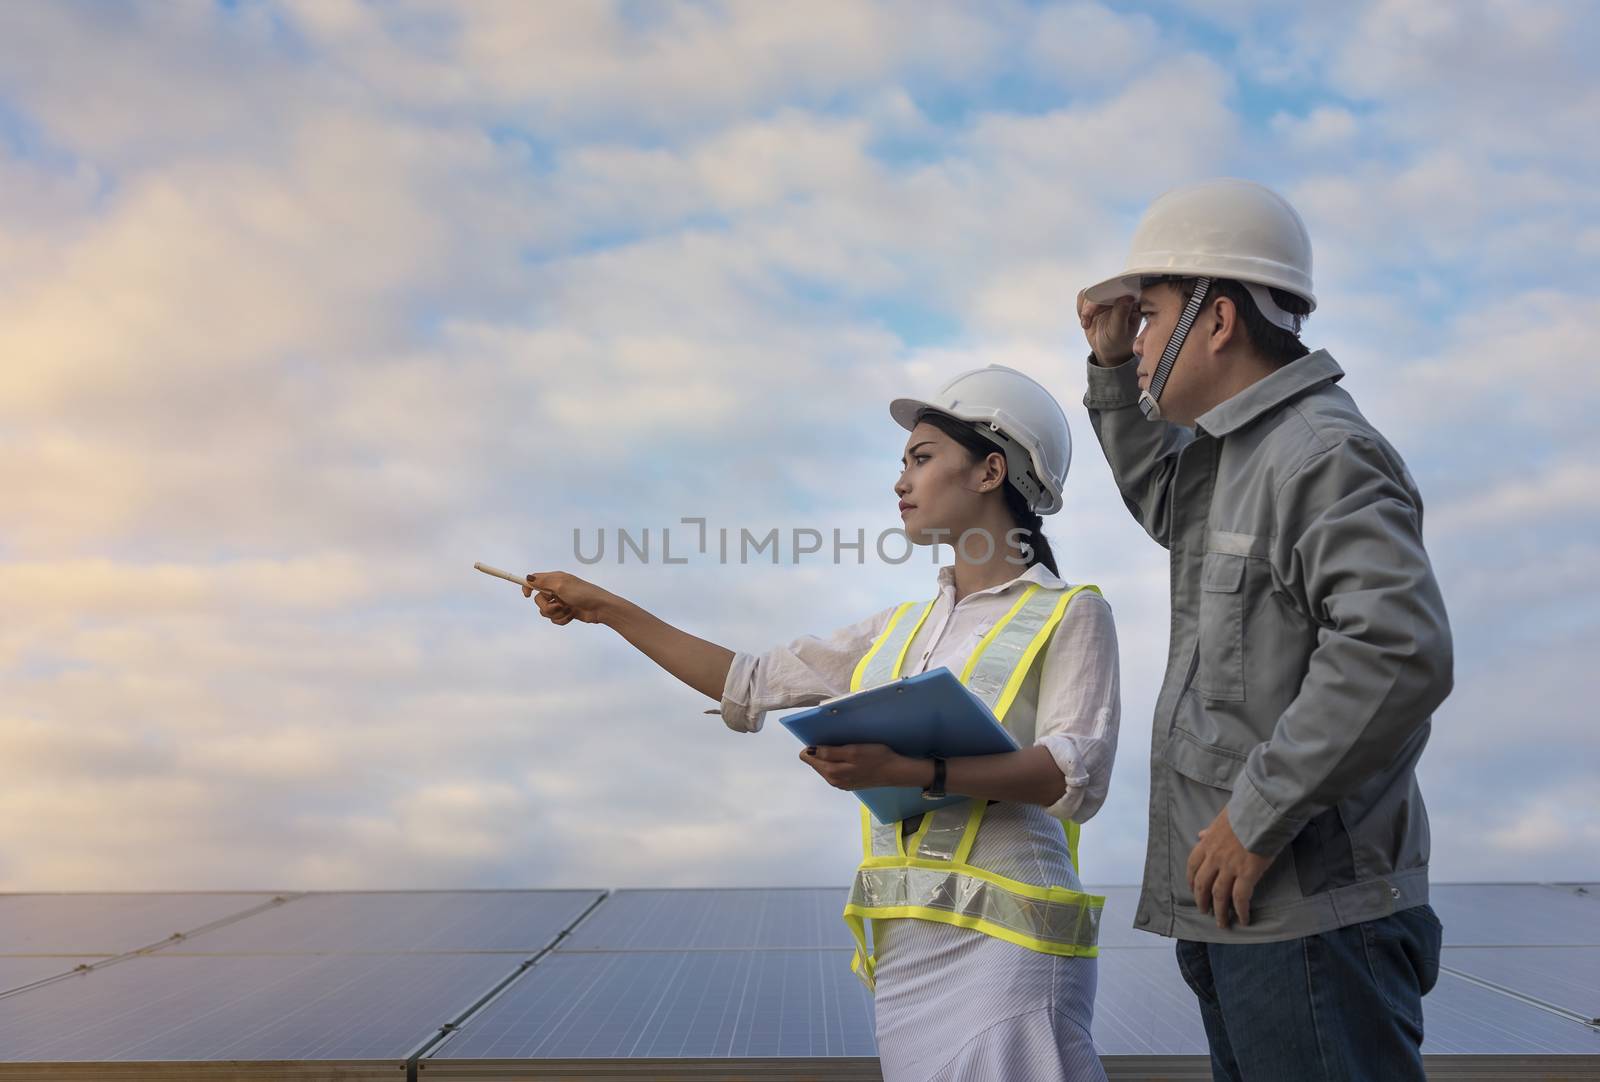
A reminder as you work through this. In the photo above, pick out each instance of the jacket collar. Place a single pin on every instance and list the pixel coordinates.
(1290, 381)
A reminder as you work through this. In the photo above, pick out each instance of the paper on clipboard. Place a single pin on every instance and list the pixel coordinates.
(930, 714)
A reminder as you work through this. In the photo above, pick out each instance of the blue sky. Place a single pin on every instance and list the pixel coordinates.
(307, 306)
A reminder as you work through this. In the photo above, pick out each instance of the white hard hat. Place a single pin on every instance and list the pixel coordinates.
(1022, 418)
(1220, 229)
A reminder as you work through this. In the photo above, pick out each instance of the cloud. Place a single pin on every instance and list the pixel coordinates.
(1089, 45)
(103, 587)
(194, 78)
(1444, 217)
(1565, 489)
(572, 66)
(1531, 80)
(1546, 827)
(308, 306)
(211, 267)
(1325, 128)
(1099, 147)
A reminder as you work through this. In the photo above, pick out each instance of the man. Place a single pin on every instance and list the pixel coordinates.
(1288, 849)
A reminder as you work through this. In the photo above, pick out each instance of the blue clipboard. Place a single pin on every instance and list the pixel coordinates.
(925, 715)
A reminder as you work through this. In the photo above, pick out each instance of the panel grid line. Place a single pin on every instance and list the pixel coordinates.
(149, 949)
(1523, 997)
(449, 1029)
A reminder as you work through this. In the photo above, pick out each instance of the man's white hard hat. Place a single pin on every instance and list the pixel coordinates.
(1223, 228)
(1023, 420)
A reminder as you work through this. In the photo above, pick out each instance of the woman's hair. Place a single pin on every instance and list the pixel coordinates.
(981, 447)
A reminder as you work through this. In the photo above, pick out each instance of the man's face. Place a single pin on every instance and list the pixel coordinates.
(1193, 376)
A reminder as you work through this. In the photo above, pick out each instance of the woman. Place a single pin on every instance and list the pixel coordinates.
(983, 942)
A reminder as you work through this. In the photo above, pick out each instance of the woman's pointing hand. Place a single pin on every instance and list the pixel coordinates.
(563, 598)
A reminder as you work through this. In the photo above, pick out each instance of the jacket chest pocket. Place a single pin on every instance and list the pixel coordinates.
(1220, 672)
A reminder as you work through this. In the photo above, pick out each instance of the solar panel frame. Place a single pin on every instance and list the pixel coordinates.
(752, 1069)
(1464, 1018)
(1567, 978)
(20, 971)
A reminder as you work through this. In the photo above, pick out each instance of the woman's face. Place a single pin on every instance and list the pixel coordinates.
(940, 486)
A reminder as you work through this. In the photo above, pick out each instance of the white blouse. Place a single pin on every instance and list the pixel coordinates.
(1070, 702)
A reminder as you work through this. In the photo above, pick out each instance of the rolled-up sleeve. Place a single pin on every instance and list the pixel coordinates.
(804, 672)
(1080, 707)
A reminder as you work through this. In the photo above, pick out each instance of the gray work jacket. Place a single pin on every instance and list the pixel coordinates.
(1309, 648)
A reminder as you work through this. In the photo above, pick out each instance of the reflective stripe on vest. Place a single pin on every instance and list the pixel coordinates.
(930, 876)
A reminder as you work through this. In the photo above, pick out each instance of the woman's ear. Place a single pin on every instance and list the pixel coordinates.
(995, 469)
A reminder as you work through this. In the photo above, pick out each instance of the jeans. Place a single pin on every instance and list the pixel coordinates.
(1341, 1006)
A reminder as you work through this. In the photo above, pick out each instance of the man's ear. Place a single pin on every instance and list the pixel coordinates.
(1224, 323)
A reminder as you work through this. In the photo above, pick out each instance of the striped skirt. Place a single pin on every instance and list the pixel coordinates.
(954, 1005)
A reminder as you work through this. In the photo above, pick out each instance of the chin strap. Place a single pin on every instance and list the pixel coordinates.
(1150, 400)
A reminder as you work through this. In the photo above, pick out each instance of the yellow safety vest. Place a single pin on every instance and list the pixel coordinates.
(930, 876)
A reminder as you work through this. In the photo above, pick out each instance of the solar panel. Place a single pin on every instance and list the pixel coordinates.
(639, 920)
(1142, 1006)
(698, 1003)
(1473, 915)
(517, 921)
(280, 1007)
(684, 974)
(1588, 890)
(18, 971)
(1463, 1018)
(1515, 914)
(108, 923)
(1565, 977)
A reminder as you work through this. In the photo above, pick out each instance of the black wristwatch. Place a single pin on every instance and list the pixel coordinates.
(935, 790)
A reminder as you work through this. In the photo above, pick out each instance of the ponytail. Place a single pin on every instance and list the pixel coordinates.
(1031, 524)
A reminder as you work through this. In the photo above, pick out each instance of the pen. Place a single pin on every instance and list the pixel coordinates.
(499, 574)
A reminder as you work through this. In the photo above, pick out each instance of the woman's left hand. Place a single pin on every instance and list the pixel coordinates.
(866, 766)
